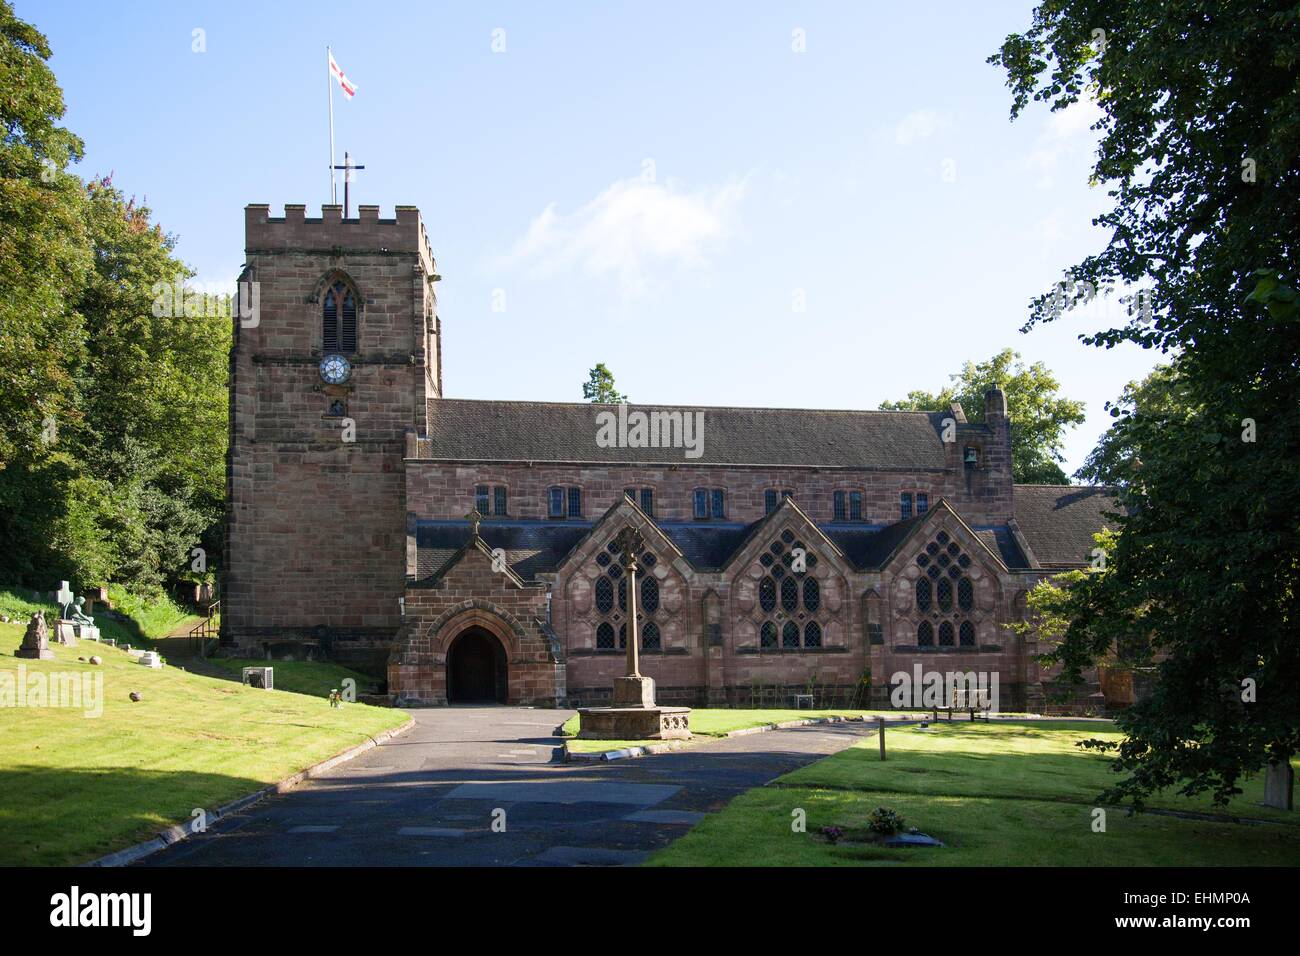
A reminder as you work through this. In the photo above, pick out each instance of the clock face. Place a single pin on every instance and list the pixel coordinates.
(335, 369)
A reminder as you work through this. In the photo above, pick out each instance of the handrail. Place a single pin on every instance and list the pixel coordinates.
(203, 631)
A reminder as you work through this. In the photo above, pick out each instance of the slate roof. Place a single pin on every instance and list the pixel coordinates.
(1058, 521)
(531, 547)
(539, 547)
(708, 547)
(472, 430)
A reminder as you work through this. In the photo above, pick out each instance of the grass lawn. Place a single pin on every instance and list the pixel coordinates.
(317, 678)
(1015, 794)
(709, 722)
(146, 621)
(74, 787)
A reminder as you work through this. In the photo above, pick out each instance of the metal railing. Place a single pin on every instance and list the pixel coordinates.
(206, 630)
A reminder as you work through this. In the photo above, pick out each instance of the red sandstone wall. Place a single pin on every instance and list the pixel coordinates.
(316, 525)
(440, 490)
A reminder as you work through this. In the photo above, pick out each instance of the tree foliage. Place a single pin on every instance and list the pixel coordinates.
(1039, 414)
(1200, 137)
(43, 250)
(600, 387)
(112, 450)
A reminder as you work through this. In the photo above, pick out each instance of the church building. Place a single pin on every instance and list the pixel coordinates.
(463, 549)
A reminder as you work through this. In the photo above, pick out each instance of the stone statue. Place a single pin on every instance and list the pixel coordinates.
(36, 642)
(80, 616)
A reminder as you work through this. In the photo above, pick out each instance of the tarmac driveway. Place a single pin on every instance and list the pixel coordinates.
(482, 786)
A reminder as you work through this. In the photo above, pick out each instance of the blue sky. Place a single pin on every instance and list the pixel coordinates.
(670, 188)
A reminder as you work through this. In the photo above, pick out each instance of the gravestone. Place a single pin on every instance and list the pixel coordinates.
(1279, 785)
(36, 642)
(151, 659)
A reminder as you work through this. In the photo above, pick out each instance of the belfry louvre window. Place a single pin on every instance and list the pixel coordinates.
(339, 319)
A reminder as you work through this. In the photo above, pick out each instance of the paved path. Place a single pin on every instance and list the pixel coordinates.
(428, 798)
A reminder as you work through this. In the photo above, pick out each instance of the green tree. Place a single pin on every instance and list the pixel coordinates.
(1117, 458)
(600, 387)
(43, 251)
(1200, 132)
(1039, 415)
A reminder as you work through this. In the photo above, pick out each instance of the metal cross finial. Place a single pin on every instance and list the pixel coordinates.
(475, 517)
(347, 168)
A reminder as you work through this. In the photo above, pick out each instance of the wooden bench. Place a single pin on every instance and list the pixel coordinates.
(972, 700)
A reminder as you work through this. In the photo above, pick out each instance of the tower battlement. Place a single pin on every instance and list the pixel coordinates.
(330, 233)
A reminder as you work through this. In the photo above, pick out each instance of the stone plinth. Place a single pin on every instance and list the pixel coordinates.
(65, 632)
(634, 692)
(635, 723)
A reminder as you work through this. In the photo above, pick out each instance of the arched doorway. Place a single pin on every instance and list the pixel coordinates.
(476, 669)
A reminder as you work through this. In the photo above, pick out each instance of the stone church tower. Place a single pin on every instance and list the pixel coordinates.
(328, 376)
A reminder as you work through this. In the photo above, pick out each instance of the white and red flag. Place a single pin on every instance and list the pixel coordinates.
(349, 88)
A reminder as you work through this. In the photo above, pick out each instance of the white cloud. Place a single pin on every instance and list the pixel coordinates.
(1067, 130)
(918, 125)
(631, 227)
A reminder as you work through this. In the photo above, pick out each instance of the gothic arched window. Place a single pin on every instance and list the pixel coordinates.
(339, 318)
(649, 595)
(604, 595)
(925, 634)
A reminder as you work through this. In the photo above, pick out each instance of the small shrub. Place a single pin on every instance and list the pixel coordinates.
(833, 834)
(885, 821)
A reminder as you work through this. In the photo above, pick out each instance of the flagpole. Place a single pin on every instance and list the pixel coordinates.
(329, 83)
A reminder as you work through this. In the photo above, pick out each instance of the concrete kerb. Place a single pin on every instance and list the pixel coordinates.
(175, 834)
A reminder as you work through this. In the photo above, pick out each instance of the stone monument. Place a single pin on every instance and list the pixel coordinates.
(36, 642)
(634, 714)
(65, 629)
(83, 623)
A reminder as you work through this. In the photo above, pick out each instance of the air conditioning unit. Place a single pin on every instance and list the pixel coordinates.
(263, 677)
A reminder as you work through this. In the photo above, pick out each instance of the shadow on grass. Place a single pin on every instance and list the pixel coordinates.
(66, 816)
